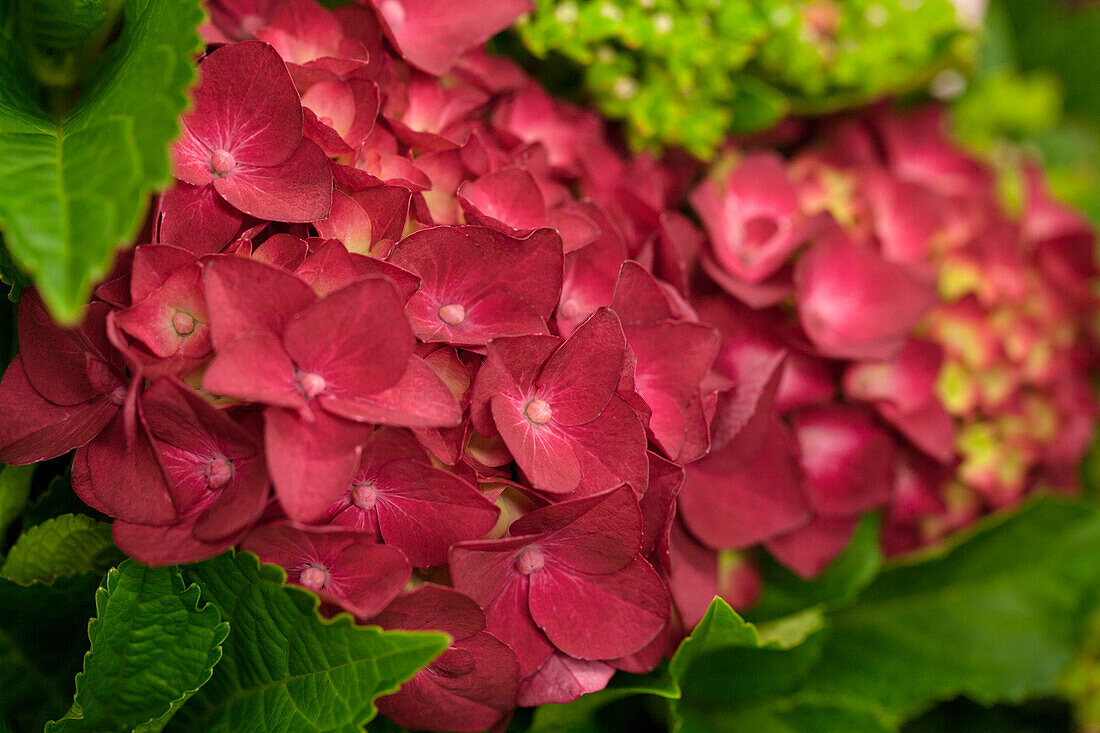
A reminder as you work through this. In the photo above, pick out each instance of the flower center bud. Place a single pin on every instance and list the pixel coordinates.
(530, 560)
(452, 314)
(393, 11)
(218, 472)
(311, 384)
(313, 577)
(221, 162)
(538, 412)
(569, 310)
(184, 323)
(364, 495)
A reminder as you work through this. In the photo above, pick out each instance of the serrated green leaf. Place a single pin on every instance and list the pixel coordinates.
(74, 190)
(71, 543)
(284, 668)
(786, 593)
(43, 636)
(15, 487)
(152, 647)
(994, 615)
(733, 676)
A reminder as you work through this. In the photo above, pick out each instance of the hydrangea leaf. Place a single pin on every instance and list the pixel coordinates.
(786, 593)
(1011, 594)
(736, 676)
(15, 487)
(73, 189)
(58, 498)
(152, 646)
(43, 636)
(285, 668)
(65, 545)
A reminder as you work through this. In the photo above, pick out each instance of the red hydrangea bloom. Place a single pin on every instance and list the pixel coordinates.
(345, 568)
(568, 577)
(244, 138)
(557, 406)
(399, 496)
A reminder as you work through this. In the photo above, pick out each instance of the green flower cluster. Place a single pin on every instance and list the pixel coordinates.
(689, 72)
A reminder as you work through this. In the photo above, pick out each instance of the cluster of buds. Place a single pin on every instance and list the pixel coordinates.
(918, 346)
(418, 333)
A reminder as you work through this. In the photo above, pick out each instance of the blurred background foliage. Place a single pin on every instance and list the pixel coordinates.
(686, 73)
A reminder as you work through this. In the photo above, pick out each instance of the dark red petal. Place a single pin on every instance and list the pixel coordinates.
(599, 616)
(732, 499)
(246, 295)
(433, 607)
(420, 400)
(171, 544)
(246, 104)
(35, 429)
(255, 368)
(544, 453)
(298, 189)
(356, 338)
(197, 219)
(809, 549)
(581, 377)
(311, 462)
(431, 34)
(562, 679)
(423, 510)
(469, 688)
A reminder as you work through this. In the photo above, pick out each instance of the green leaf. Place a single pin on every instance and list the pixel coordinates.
(15, 487)
(786, 593)
(994, 615)
(285, 668)
(736, 676)
(71, 543)
(43, 636)
(73, 190)
(58, 498)
(152, 647)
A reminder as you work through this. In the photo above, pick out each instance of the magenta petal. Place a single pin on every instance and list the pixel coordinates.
(246, 104)
(580, 378)
(298, 189)
(431, 34)
(239, 504)
(543, 452)
(485, 571)
(246, 295)
(367, 576)
(732, 499)
(122, 476)
(658, 505)
(356, 338)
(507, 199)
(907, 381)
(611, 449)
(430, 606)
(196, 218)
(809, 549)
(599, 616)
(255, 368)
(171, 544)
(470, 687)
(595, 534)
(855, 304)
(847, 460)
(423, 510)
(155, 320)
(420, 400)
(311, 462)
(56, 360)
(35, 429)
(562, 679)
